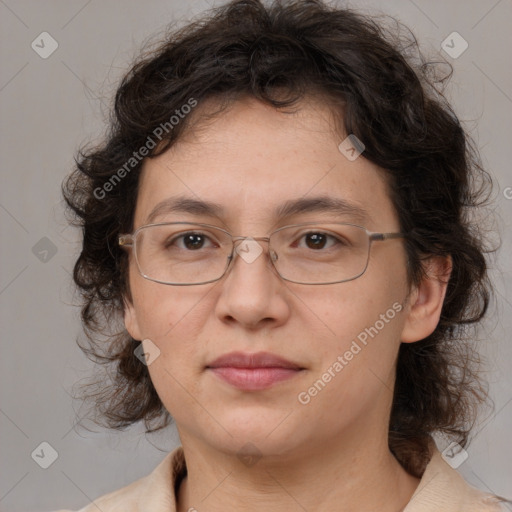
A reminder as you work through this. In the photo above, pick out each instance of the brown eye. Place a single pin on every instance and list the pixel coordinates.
(193, 241)
(189, 241)
(316, 240)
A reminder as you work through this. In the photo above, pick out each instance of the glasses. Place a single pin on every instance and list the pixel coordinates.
(187, 253)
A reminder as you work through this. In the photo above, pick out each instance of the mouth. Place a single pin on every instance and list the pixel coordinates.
(253, 372)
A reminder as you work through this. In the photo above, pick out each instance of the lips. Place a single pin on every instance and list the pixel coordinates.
(252, 372)
(258, 360)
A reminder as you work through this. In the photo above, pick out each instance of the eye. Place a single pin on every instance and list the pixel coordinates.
(190, 241)
(318, 240)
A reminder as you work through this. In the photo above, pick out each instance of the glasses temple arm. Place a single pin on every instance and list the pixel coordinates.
(386, 236)
(125, 240)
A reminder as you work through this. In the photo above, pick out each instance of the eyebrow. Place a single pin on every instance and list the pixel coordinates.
(317, 204)
(322, 204)
(183, 204)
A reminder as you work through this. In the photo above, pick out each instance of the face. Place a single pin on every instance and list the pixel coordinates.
(250, 160)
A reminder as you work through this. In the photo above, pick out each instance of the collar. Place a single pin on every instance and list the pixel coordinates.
(441, 489)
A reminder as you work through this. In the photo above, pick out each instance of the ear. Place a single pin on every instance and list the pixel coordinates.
(426, 300)
(130, 320)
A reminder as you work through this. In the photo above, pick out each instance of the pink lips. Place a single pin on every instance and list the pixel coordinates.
(252, 372)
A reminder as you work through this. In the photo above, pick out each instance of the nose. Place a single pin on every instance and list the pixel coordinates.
(252, 293)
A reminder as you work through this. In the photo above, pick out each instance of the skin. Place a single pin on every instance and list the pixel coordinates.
(331, 454)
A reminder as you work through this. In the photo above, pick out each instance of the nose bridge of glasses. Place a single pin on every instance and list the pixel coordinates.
(240, 239)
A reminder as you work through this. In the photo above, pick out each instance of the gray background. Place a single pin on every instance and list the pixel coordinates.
(51, 106)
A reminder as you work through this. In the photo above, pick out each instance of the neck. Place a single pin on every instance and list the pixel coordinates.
(344, 475)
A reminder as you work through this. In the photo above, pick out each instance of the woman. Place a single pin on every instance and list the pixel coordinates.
(279, 216)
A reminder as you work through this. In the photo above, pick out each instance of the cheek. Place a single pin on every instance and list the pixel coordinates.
(172, 318)
(162, 311)
(363, 319)
(353, 371)
(355, 306)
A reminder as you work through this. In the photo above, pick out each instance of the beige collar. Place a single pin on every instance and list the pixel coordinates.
(441, 489)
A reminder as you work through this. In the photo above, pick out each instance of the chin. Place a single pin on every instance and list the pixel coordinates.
(272, 432)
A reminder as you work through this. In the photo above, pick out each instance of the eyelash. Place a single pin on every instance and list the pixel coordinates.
(168, 243)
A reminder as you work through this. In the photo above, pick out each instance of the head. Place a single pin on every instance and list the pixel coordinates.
(251, 110)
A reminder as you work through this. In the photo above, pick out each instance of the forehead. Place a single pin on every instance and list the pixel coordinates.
(255, 164)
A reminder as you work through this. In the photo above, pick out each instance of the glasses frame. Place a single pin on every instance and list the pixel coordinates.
(130, 240)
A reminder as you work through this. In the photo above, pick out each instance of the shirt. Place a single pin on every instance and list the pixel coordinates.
(441, 489)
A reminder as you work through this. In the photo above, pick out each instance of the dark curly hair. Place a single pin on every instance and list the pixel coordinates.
(382, 90)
